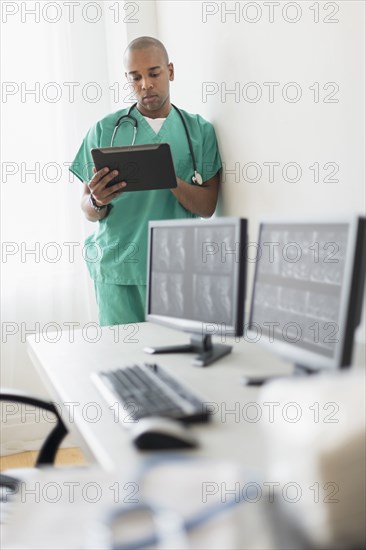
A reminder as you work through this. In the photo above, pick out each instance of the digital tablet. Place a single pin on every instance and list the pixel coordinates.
(143, 167)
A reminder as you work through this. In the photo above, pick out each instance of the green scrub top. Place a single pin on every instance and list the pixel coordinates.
(117, 252)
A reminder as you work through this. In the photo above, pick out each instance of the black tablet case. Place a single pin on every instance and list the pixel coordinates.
(143, 167)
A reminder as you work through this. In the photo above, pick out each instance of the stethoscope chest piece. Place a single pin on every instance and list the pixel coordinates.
(197, 178)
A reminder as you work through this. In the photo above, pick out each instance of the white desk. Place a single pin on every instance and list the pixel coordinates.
(66, 365)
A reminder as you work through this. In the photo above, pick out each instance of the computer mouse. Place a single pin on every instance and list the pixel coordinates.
(255, 380)
(158, 433)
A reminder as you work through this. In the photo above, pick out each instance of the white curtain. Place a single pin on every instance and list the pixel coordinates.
(59, 71)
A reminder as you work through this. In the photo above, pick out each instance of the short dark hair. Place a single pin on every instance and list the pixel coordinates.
(146, 42)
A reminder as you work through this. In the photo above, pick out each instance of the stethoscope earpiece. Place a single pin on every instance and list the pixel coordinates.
(197, 178)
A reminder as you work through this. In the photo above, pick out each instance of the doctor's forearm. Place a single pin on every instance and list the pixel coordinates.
(91, 214)
(200, 200)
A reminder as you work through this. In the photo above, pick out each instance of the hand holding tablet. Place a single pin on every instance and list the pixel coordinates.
(143, 167)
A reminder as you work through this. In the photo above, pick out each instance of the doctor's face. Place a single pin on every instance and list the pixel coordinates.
(150, 75)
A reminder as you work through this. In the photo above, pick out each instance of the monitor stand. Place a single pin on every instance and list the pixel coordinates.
(299, 370)
(302, 370)
(208, 352)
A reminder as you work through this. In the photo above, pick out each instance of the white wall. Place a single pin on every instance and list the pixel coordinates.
(38, 49)
(216, 51)
(231, 54)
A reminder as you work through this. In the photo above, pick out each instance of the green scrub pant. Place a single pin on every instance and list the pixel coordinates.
(120, 304)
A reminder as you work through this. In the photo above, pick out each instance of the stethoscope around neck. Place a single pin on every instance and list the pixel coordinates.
(197, 178)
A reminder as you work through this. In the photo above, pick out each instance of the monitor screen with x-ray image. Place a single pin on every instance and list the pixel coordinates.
(196, 281)
(308, 290)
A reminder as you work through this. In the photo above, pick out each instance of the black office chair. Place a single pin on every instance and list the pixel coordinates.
(47, 453)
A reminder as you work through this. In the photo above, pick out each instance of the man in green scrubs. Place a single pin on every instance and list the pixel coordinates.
(116, 253)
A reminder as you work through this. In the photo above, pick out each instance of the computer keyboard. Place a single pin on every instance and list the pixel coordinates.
(148, 390)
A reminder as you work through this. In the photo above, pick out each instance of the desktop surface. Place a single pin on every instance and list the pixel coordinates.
(66, 367)
(233, 443)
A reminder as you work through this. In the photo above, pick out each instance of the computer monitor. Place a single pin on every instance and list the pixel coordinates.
(196, 278)
(308, 291)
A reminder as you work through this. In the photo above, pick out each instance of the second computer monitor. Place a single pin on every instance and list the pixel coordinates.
(196, 280)
(308, 290)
